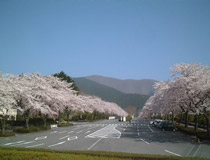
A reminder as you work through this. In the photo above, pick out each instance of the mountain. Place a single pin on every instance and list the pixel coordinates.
(143, 87)
(110, 94)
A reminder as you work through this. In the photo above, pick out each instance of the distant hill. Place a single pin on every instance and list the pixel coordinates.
(110, 94)
(143, 87)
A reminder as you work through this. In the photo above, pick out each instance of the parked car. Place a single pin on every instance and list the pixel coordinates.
(157, 122)
(167, 126)
(151, 122)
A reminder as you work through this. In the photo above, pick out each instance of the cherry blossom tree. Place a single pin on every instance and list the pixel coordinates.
(32, 94)
(7, 100)
(188, 91)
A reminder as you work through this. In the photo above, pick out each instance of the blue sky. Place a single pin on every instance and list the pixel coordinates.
(126, 39)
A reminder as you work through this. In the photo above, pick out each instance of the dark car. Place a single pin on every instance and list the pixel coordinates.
(167, 126)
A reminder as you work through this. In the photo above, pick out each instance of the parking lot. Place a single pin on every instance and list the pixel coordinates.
(111, 135)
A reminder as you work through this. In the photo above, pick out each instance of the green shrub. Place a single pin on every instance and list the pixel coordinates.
(128, 118)
(7, 134)
(65, 124)
(201, 133)
(21, 130)
(31, 129)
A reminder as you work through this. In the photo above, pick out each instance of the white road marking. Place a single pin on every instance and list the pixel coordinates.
(190, 150)
(22, 143)
(196, 150)
(40, 138)
(64, 137)
(150, 128)
(124, 129)
(97, 142)
(138, 133)
(57, 144)
(93, 127)
(80, 131)
(144, 141)
(41, 144)
(109, 131)
(71, 132)
(62, 132)
(72, 138)
(53, 132)
(87, 131)
(173, 153)
(13, 143)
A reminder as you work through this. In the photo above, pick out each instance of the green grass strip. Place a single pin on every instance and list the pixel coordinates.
(44, 154)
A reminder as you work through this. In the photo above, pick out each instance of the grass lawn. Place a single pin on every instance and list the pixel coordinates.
(202, 134)
(43, 154)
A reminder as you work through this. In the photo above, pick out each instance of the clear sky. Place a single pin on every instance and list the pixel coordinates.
(126, 39)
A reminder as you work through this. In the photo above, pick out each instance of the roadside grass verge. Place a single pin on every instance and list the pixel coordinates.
(65, 124)
(7, 134)
(202, 135)
(44, 154)
(31, 129)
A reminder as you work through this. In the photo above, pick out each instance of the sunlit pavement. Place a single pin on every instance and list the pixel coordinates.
(112, 135)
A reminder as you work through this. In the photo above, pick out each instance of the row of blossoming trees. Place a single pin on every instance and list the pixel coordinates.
(32, 94)
(188, 92)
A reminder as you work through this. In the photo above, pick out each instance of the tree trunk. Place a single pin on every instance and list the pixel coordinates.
(59, 118)
(207, 121)
(196, 123)
(207, 124)
(3, 125)
(172, 117)
(44, 117)
(27, 122)
(186, 119)
(68, 114)
(181, 117)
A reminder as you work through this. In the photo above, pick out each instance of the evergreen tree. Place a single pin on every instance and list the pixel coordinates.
(68, 79)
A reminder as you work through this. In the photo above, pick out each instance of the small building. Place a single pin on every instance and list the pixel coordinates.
(111, 117)
(122, 119)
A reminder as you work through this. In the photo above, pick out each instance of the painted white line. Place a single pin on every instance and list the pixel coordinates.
(22, 143)
(173, 153)
(144, 141)
(62, 132)
(93, 127)
(87, 132)
(97, 141)
(40, 138)
(71, 132)
(138, 133)
(190, 150)
(57, 144)
(29, 142)
(196, 150)
(124, 129)
(64, 137)
(79, 131)
(41, 144)
(53, 132)
(96, 132)
(94, 143)
(13, 143)
(150, 128)
(72, 138)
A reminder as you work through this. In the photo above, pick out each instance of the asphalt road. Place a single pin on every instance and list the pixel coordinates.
(112, 135)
